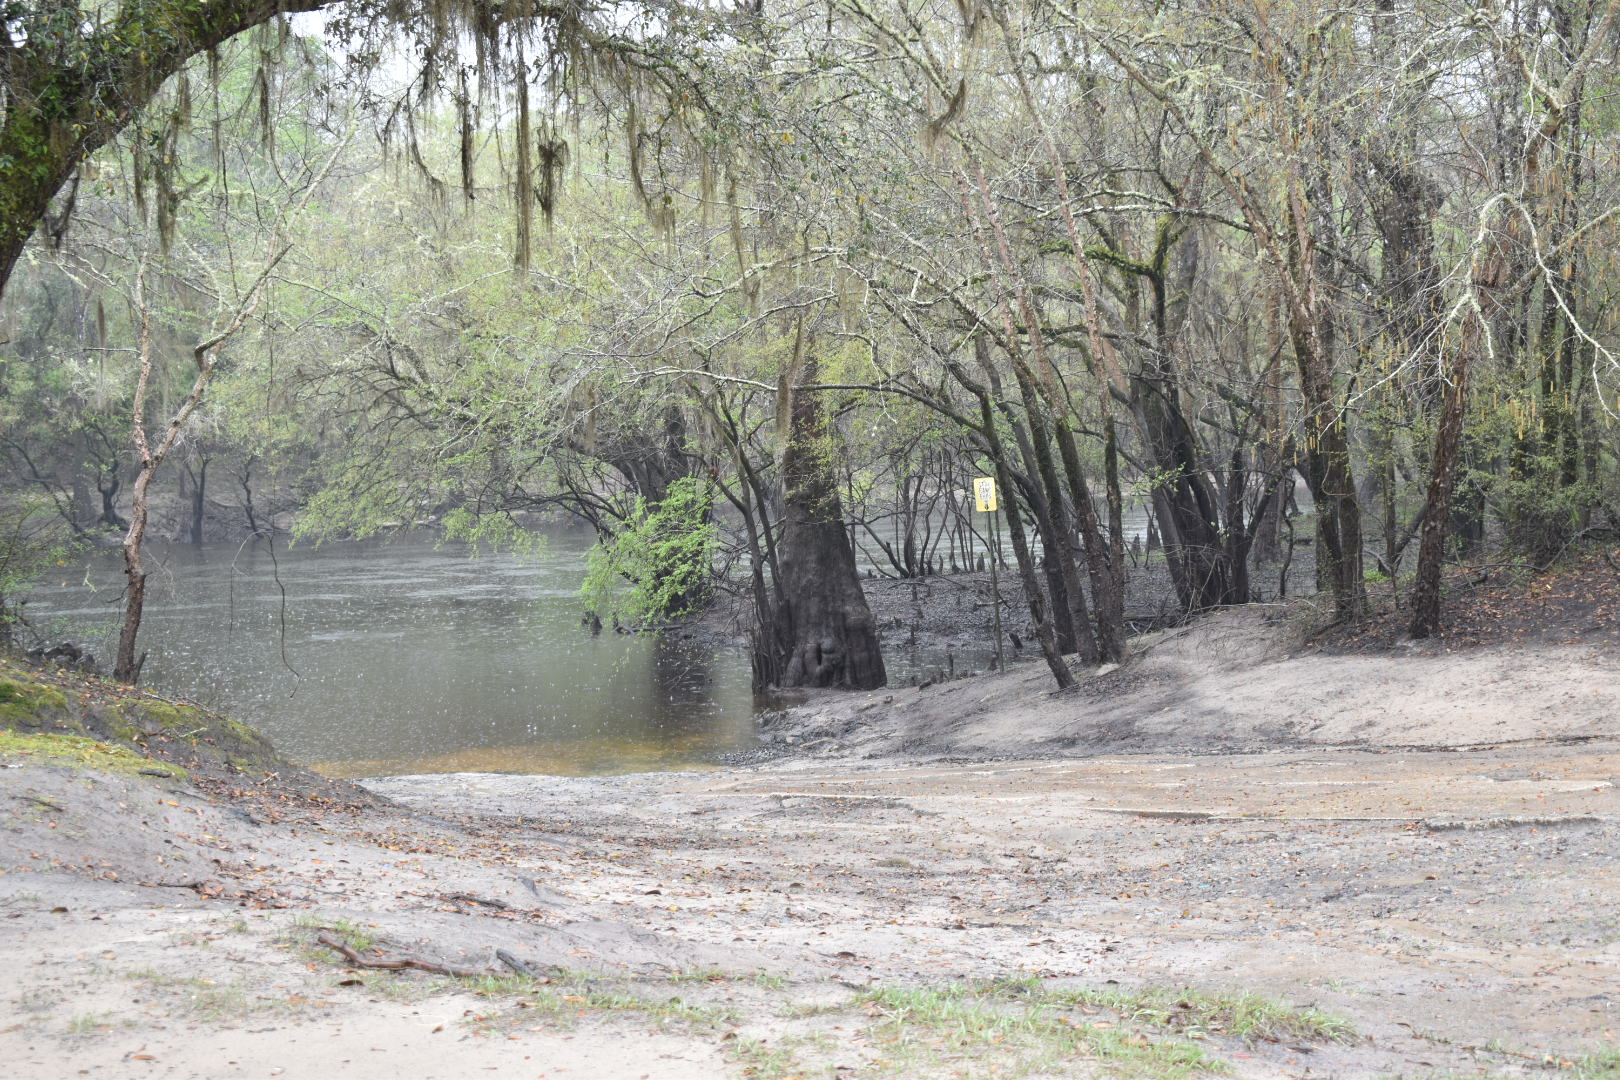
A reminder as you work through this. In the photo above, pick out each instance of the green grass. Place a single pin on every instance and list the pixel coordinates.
(89, 1024)
(350, 933)
(1247, 1017)
(563, 1002)
(923, 1030)
(1603, 1065)
(1026, 1026)
(760, 1059)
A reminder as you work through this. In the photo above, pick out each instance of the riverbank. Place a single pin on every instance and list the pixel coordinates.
(943, 626)
(1237, 852)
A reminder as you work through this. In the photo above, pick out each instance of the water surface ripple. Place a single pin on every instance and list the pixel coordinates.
(407, 656)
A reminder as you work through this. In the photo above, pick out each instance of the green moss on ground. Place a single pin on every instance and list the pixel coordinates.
(93, 723)
(39, 701)
(28, 704)
(79, 752)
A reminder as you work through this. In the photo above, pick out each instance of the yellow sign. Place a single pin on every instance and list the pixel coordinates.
(984, 494)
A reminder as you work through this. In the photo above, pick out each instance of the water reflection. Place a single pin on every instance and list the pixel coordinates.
(407, 656)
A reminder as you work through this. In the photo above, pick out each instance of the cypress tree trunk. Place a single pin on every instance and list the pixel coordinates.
(822, 632)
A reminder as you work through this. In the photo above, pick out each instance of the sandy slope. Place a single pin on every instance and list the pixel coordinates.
(1231, 683)
(1428, 846)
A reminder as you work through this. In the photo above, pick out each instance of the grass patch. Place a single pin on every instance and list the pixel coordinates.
(1603, 1065)
(1247, 1017)
(698, 975)
(761, 1060)
(78, 752)
(1028, 1030)
(349, 932)
(560, 996)
(569, 998)
(212, 1001)
(1027, 1027)
(761, 979)
(87, 1024)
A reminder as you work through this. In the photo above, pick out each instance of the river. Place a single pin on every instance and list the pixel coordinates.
(406, 656)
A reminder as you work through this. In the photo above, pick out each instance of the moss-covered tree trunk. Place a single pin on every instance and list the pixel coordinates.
(68, 87)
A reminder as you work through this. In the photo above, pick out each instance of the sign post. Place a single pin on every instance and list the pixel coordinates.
(984, 498)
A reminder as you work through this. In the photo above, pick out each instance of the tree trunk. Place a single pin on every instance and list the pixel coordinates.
(1436, 512)
(1187, 509)
(1487, 276)
(1105, 554)
(198, 500)
(823, 633)
(127, 668)
(59, 113)
(1033, 596)
(246, 477)
(108, 484)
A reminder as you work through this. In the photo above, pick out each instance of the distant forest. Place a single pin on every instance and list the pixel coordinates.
(740, 286)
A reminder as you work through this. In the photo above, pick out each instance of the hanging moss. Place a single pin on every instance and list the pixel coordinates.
(79, 101)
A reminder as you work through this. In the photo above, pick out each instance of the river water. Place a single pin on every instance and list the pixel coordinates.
(405, 656)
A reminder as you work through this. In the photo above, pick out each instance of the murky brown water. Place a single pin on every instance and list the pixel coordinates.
(403, 656)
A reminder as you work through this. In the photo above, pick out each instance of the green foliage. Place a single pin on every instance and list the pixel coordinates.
(658, 564)
(1540, 511)
(497, 531)
(1527, 464)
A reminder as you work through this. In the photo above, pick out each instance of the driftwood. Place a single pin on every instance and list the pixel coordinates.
(353, 956)
(519, 966)
(469, 898)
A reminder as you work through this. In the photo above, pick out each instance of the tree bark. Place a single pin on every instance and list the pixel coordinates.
(996, 452)
(59, 113)
(822, 633)
(127, 668)
(1431, 550)
(199, 489)
(1487, 276)
(108, 484)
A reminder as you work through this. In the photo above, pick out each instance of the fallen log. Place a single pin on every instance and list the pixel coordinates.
(355, 958)
(519, 966)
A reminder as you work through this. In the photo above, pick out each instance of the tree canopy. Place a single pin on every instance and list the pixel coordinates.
(837, 257)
